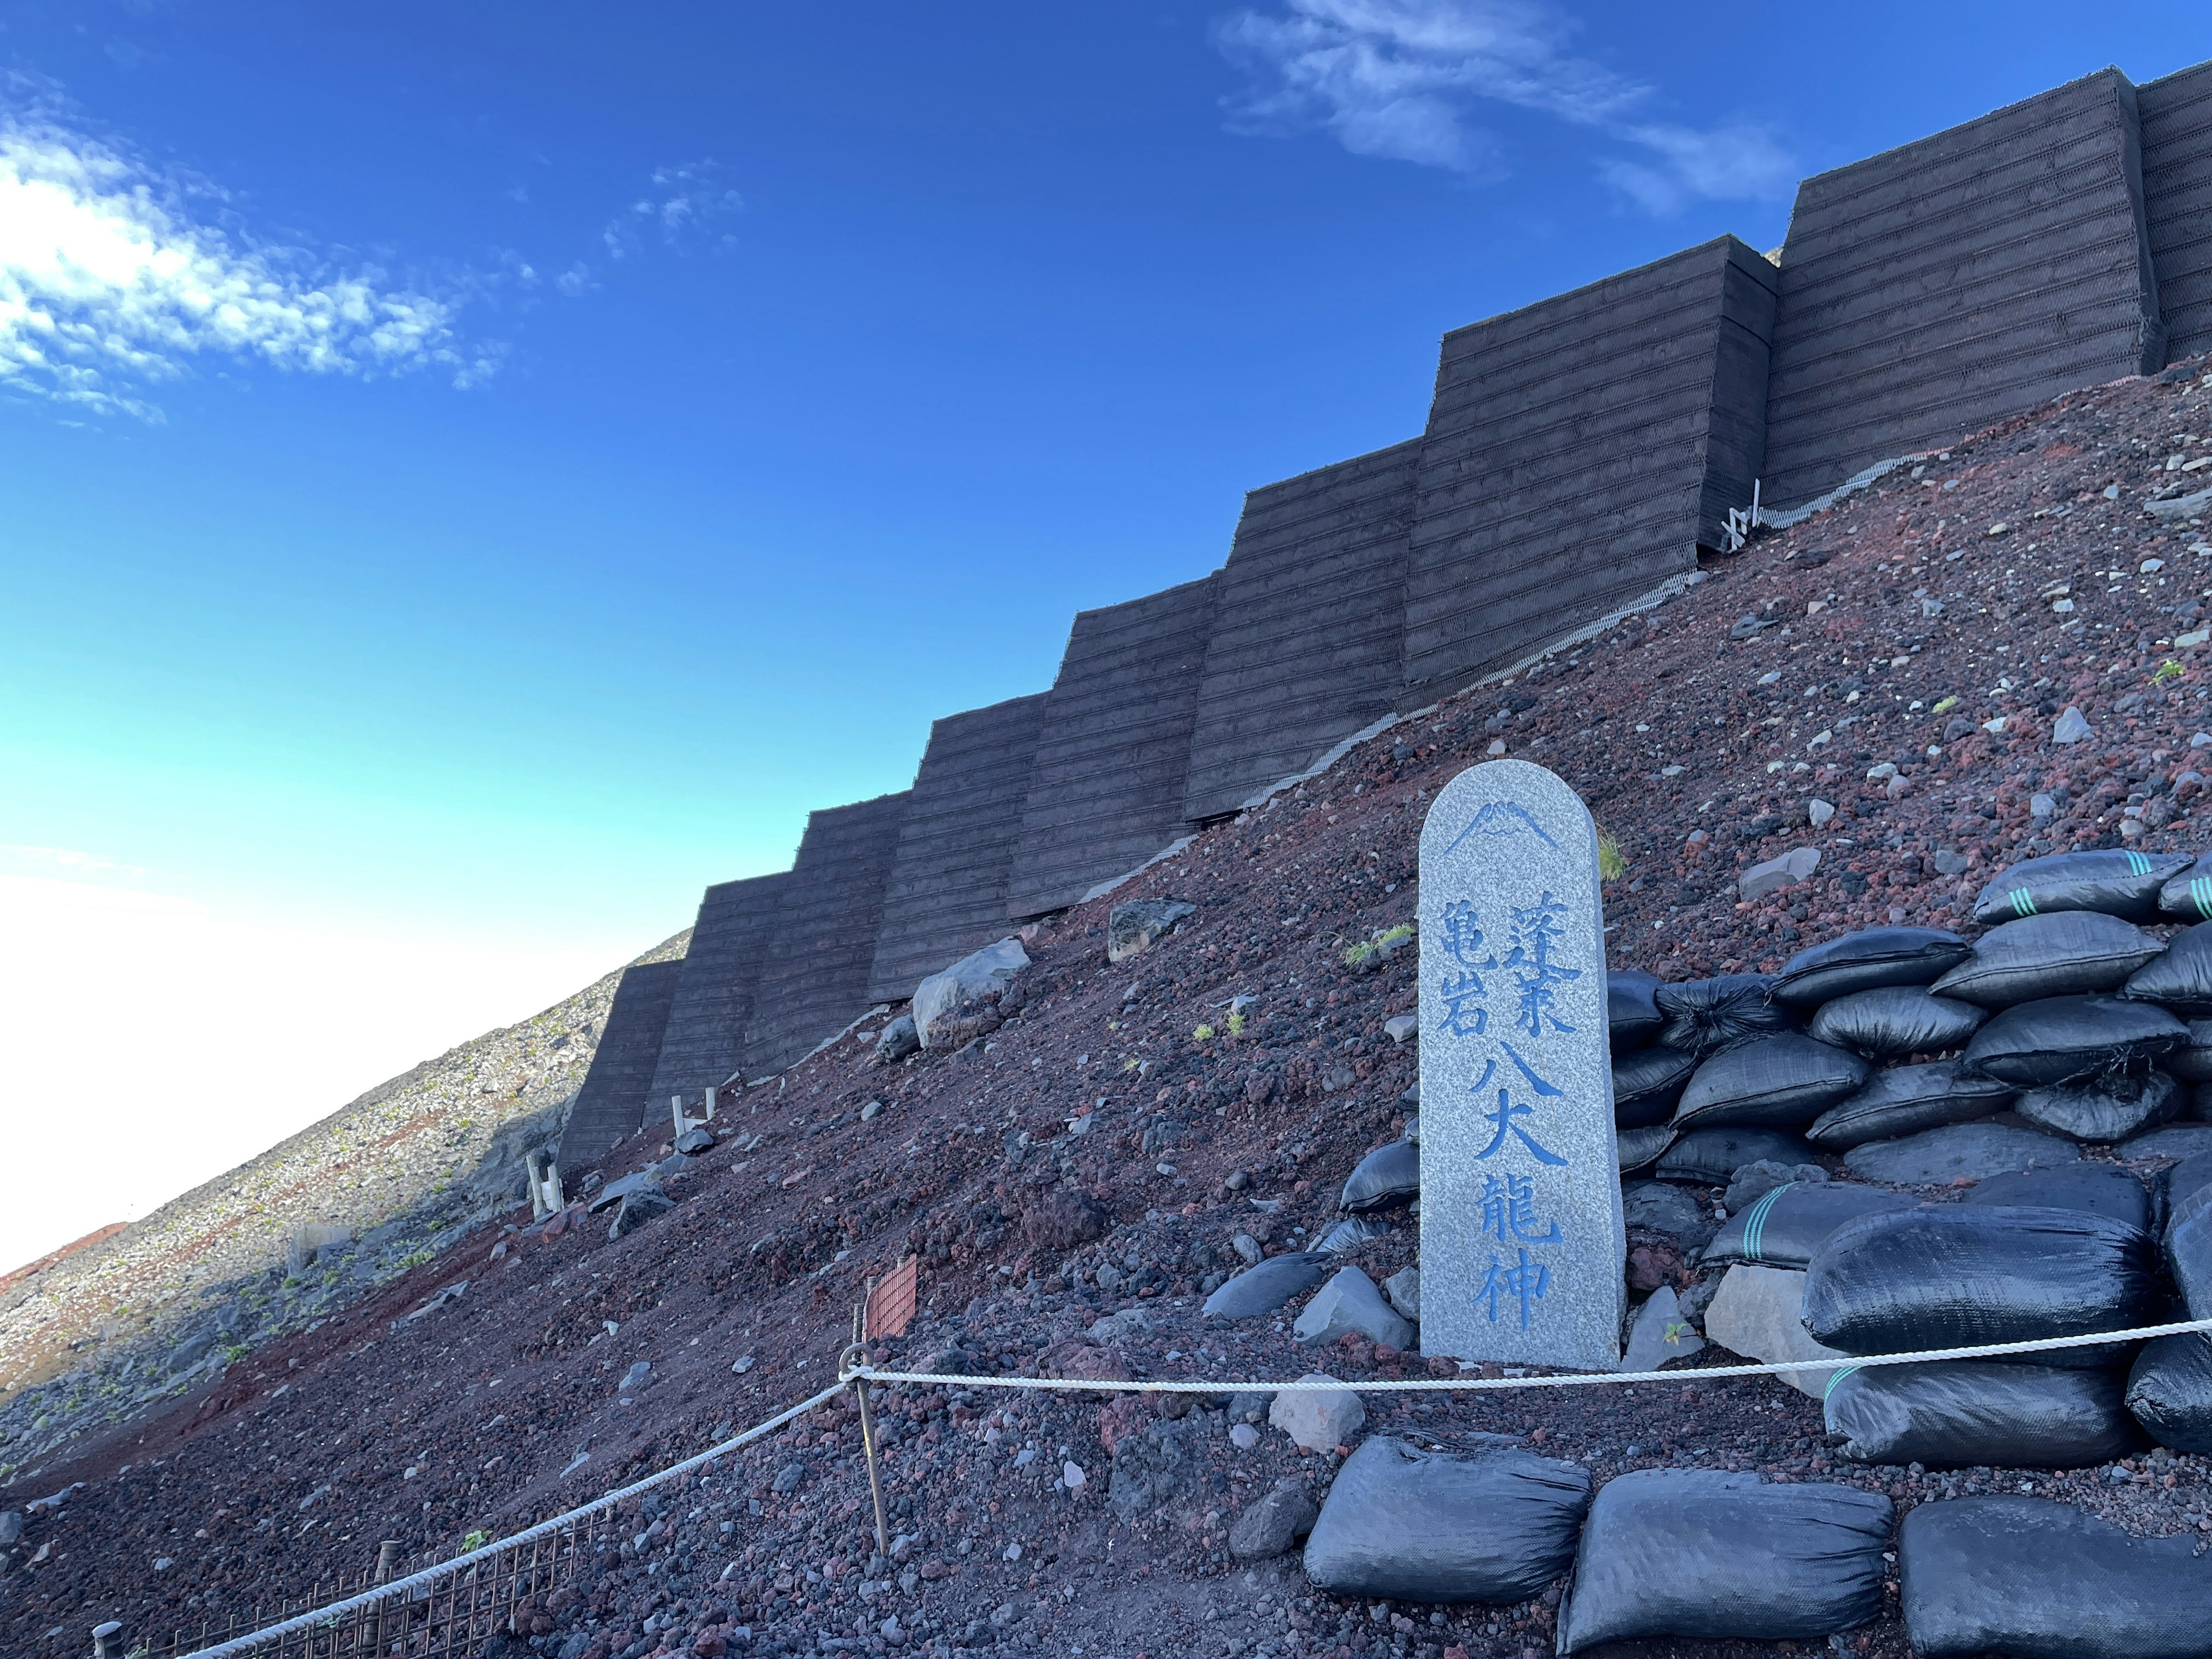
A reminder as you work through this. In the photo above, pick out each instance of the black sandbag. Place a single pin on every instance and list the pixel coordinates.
(2192, 1061)
(1632, 1017)
(2188, 1251)
(2181, 976)
(1351, 1233)
(1264, 1287)
(2102, 1189)
(2188, 897)
(1635, 1149)
(1904, 1100)
(1957, 1276)
(1783, 1082)
(2184, 1180)
(1966, 1412)
(1704, 1016)
(1697, 1553)
(1646, 1084)
(2116, 883)
(2037, 1580)
(1893, 1021)
(2060, 955)
(2169, 1390)
(1867, 960)
(1786, 1227)
(1710, 1157)
(2064, 1039)
(2105, 1109)
(1403, 1524)
(1387, 1177)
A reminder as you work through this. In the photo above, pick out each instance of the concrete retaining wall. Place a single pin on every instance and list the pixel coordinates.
(1114, 748)
(947, 891)
(2177, 174)
(1307, 628)
(610, 1105)
(714, 1000)
(1578, 453)
(814, 978)
(1954, 281)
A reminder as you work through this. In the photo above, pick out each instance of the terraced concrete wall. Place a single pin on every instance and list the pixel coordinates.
(814, 978)
(2177, 175)
(609, 1104)
(1114, 747)
(1308, 626)
(1578, 452)
(1952, 282)
(714, 1001)
(947, 891)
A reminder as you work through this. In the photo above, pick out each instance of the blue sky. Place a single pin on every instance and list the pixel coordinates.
(487, 469)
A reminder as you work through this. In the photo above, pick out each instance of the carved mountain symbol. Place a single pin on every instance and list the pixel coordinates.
(1501, 819)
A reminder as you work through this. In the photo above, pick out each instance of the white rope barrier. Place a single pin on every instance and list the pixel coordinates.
(401, 1587)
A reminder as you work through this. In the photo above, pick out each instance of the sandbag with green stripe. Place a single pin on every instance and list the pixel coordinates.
(2188, 897)
(1785, 1227)
(2125, 885)
(1963, 1412)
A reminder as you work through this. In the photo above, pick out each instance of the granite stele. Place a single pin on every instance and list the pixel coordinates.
(1521, 1235)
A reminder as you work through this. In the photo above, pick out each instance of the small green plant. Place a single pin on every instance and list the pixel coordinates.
(474, 1541)
(1236, 1022)
(234, 1353)
(2168, 669)
(1356, 954)
(1203, 1034)
(1610, 867)
(1130, 1064)
(414, 1259)
(1945, 706)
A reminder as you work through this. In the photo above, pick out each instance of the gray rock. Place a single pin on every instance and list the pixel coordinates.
(1757, 1313)
(978, 973)
(674, 1164)
(1404, 1290)
(1268, 1528)
(1776, 873)
(634, 1376)
(1951, 863)
(1746, 626)
(1754, 1180)
(1662, 1332)
(899, 1039)
(872, 1111)
(788, 1479)
(1134, 927)
(2042, 806)
(2069, 727)
(1318, 1419)
(1402, 1028)
(614, 1191)
(1251, 1407)
(1971, 1151)
(1260, 1289)
(638, 1207)
(1348, 1303)
(1152, 1471)
(12, 1527)
(1248, 1249)
(1820, 811)
(696, 1141)
(2176, 1141)
(1660, 1208)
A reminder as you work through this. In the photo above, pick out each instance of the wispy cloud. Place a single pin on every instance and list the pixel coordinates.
(1404, 79)
(115, 274)
(69, 858)
(688, 206)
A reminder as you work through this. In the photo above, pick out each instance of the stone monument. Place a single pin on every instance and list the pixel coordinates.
(1521, 1235)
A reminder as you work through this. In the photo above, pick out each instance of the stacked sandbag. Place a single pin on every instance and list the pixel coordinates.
(1874, 958)
(2169, 1390)
(2106, 1109)
(2074, 952)
(2188, 897)
(2038, 1580)
(1632, 1014)
(2103, 1189)
(2129, 886)
(1704, 1016)
(1961, 1412)
(2067, 1039)
(1388, 1178)
(2178, 978)
(1781, 1081)
(1961, 1276)
(1906, 1100)
(1700, 1553)
(1403, 1524)
(1646, 1084)
(1787, 1226)
(1894, 1022)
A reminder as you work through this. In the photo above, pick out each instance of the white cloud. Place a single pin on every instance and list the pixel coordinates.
(110, 281)
(1400, 79)
(686, 207)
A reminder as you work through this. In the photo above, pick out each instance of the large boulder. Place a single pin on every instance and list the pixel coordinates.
(1348, 1303)
(1758, 1313)
(981, 973)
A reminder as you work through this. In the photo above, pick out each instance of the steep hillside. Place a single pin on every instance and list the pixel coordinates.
(1076, 1178)
(309, 1226)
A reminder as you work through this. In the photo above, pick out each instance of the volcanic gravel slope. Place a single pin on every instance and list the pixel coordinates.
(285, 1474)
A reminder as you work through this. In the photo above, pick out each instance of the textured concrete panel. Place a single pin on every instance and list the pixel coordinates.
(1307, 627)
(609, 1106)
(714, 1001)
(1943, 286)
(2177, 175)
(947, 891)
(814, 979)
(1578, 453)
(1114, 748)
